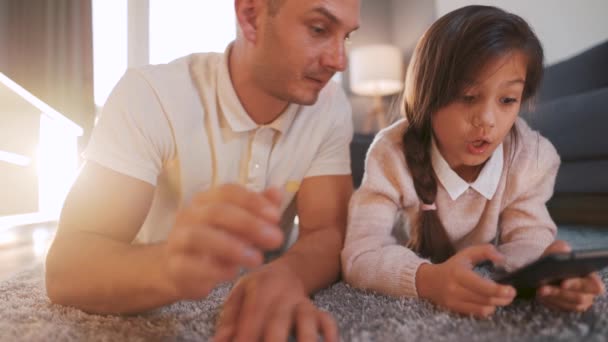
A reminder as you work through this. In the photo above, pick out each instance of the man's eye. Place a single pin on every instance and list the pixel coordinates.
(317, 30)
(508, 100)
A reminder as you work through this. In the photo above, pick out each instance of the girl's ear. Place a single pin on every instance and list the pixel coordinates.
(247, 15)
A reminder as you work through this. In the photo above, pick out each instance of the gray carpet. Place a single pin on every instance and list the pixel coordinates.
(27, 315)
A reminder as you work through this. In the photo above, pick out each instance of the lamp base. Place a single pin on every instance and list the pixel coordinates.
(377, 114)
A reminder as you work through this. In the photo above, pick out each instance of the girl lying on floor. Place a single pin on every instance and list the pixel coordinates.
(462, 175)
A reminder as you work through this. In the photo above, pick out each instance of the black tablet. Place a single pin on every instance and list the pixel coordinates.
(553, 268)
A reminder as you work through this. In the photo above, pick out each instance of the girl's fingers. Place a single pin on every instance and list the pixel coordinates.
(566, 299)
(476, 254)
(557, 304)
(590, 284)
(466, 308)
(476, 298)
(594, 284)
(573, 284)
(484, 287)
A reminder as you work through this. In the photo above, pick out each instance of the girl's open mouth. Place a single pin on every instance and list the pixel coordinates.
(478, 146)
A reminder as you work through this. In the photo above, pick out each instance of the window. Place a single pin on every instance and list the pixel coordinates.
(175, 29)
(181, 27)
(109, 46)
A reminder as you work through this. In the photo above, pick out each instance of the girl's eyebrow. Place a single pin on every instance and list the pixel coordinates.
(515, 81)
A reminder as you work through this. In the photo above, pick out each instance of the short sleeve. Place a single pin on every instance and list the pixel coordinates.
(132, 135)
(333, 156)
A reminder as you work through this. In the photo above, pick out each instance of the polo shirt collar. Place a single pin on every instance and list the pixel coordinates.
(485, 184)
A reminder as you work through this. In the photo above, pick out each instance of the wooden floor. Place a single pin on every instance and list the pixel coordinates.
(23, 247)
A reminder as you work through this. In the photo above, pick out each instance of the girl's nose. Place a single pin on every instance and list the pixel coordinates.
(485, 118)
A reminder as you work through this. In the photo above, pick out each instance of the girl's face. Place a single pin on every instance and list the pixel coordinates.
(469, 129)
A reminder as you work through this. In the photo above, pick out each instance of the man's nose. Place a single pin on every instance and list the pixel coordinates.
(335, 57)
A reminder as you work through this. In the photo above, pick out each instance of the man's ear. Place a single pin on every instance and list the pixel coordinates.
(247, 15)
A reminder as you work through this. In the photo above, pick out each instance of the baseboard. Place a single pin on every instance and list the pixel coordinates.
(575, 208)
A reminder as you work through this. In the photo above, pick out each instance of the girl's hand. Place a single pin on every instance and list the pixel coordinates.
(573, 294)
(455, 286)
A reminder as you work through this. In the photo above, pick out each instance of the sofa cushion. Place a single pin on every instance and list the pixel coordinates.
(358, 151)
(579, 74)
(588, 176)
(577, 125)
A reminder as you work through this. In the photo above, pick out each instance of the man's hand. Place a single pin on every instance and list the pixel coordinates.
(573, 294)
(219, 232)
(268, 304)
(455, 286)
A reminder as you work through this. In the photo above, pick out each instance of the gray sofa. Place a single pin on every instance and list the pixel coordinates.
(572, 112)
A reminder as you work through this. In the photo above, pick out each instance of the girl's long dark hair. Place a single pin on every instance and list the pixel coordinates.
(451, 52)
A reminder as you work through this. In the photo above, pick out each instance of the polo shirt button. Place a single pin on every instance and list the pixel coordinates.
(257, 166)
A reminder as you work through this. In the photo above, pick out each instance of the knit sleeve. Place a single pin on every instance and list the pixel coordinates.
(372, 258)
(526, 226)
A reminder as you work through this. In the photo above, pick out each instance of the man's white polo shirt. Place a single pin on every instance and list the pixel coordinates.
(182, 128)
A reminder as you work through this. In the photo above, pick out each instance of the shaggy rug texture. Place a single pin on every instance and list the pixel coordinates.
(27, 315)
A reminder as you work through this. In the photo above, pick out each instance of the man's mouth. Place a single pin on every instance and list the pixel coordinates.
(319, 79)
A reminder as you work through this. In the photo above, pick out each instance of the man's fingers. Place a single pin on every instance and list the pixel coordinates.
(254, 312)
(240, 222)
(280, 325)
(217, 243)
(273, 195)
(238, 195)
(328, 325)
(306, 322)
(225, 334)
(231, 309)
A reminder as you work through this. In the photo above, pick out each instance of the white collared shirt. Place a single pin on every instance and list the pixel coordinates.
(181, 127)
(485, 184)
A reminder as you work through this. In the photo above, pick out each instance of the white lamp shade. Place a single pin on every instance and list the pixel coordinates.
(376, 70)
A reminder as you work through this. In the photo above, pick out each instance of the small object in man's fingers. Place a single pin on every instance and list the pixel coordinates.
(291, 187)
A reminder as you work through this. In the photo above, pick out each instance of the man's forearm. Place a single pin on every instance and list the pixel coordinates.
(100, 275)
(315, 258)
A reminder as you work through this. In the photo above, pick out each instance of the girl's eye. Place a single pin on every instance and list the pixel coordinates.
(468, 98)
(508, 100)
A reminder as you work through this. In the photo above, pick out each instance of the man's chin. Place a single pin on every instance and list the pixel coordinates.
(305, 99)
(301, 96)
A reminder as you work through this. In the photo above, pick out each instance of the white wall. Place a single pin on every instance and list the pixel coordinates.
(565, 27)
(410, 19)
